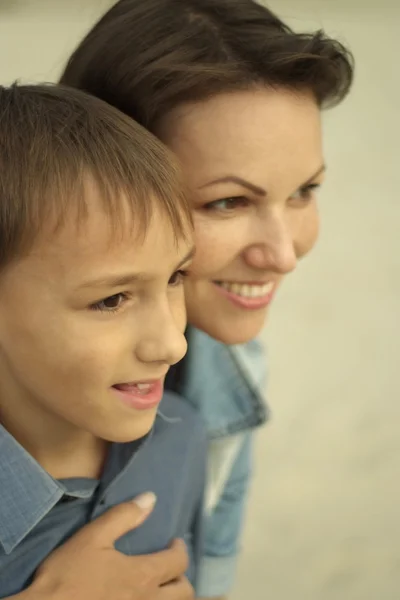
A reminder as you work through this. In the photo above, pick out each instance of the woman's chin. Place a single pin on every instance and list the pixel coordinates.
(228, 330)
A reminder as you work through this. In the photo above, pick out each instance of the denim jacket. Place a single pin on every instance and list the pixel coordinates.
(225, 384)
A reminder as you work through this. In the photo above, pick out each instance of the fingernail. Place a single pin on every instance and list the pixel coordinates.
(145, 501)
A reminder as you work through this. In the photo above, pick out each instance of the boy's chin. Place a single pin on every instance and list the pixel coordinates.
(129, 432)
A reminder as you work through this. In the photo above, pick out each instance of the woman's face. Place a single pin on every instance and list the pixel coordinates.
(253, 161)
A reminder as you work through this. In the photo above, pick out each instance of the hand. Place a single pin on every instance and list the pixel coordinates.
(88, 567)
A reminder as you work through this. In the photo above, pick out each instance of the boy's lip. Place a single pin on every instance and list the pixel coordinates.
(140, 382)
(140, 395)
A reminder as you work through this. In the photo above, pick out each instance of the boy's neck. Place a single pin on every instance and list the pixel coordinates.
(62, 450)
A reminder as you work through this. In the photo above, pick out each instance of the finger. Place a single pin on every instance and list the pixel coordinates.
(120, 519)
(180, 589)
(169, 564)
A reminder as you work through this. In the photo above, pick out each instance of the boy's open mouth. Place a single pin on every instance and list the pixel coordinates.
(141, 395)
(139, 388)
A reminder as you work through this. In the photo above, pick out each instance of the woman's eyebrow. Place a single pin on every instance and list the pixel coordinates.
(243, 182)
(259, 191)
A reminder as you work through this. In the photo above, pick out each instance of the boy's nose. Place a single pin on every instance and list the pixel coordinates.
(163, 342)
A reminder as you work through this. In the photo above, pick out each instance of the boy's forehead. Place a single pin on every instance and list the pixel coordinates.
(91, 223)
(97, 242)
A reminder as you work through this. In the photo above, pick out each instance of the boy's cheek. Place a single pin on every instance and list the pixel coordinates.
(179, 312)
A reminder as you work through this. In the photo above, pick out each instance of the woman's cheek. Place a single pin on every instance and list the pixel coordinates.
(219, 243)
(306, 230)
(208, 245)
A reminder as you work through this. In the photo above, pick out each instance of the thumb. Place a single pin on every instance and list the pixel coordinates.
(120, 519)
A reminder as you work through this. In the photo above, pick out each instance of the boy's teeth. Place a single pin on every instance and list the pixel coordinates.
(143, 386)
(248, 291)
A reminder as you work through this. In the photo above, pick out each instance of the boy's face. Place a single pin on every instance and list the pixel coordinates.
(87, 310)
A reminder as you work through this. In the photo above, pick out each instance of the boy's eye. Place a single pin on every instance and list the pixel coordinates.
(227, 204)
(177, 278)
(110, 304)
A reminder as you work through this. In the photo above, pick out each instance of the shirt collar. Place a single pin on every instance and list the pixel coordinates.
(224, 383)
(28, 492)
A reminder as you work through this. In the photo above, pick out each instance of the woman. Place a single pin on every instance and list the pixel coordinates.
(237, 95)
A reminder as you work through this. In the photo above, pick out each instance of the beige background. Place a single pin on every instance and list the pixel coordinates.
(323, 520)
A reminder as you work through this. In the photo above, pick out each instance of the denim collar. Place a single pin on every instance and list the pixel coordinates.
(224, 383)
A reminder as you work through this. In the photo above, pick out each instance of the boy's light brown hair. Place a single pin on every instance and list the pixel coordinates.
(53, 140)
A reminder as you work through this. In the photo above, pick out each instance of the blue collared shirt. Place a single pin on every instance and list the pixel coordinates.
(38, 513)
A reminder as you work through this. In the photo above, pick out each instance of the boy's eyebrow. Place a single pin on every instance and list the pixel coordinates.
(129, 278)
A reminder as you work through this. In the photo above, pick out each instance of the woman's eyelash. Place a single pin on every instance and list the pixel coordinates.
(305, 192)
(310, 188)
(230, 203)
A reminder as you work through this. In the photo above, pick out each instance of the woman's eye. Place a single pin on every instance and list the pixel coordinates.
(305, 194)
(110, 304)
(177, 278)
(227, 204)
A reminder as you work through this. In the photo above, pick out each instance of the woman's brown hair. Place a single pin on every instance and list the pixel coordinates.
(148, 56)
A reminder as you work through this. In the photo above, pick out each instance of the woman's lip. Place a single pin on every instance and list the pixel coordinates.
(246, 303)
(140, 399)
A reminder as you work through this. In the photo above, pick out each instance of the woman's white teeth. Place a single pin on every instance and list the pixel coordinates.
(248, 291)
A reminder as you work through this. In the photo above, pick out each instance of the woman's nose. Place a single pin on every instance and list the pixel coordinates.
(275, 249)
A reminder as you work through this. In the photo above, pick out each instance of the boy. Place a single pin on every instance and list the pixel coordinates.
(95, 237)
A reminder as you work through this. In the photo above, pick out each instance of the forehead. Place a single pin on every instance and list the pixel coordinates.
(243, 130)
(97, 242)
